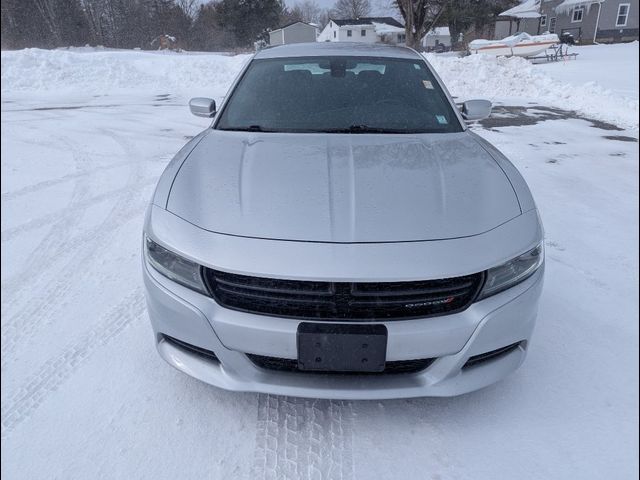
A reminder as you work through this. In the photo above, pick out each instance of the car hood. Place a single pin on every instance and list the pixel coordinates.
(342, 188)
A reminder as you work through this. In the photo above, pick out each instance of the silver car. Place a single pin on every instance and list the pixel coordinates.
(338, 232)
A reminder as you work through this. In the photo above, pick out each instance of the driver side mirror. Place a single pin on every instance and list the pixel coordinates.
(202, 107)
(476, 109)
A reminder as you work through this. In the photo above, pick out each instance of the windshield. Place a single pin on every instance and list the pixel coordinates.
(339, 95)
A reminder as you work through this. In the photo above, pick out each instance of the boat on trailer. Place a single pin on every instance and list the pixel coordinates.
(519, 45)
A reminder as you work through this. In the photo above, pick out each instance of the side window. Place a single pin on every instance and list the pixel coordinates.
(623, 15)
(363, 33)
(543, 20)
(348, 33)
(552, 25)
(334, 34)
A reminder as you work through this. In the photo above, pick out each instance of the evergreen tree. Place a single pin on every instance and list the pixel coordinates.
(248, 20)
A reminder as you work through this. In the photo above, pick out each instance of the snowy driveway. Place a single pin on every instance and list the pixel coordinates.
(84, 394)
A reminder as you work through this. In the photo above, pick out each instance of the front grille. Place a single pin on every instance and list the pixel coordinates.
(291, 365)
(342, 300)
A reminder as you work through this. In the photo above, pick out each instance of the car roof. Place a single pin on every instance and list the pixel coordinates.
(321, 49)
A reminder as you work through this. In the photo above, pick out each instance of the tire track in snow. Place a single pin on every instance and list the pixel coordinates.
(36, 187)
(55, 371)
(42, 310)
(25, 278)
(303, 439)
(57, 235)
(57, 243)
(71, 212)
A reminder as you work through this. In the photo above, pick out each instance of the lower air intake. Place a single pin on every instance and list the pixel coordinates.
(492, 355)
(291, 365)
(191, 348)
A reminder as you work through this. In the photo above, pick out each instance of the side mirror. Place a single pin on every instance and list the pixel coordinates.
(202, 107)
(476, 109)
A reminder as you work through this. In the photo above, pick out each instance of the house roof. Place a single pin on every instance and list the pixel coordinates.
(385, 28)
(367, 21)
(293, 23)
(526, 9)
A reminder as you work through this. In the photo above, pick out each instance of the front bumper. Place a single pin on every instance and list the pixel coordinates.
(504, 319)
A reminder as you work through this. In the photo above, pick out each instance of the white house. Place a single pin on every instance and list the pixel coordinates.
(364, 29)
(296, 32)
(437, 36)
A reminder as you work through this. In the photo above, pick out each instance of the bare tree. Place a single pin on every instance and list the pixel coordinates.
(310, 11)
(351, 9)
(323, 18)
(291, 15)
(189, 7)
(47, 10)
(419, 17)
(472, 16)
(42, 23)
(135, 23)
(385, 8)
(103, 18)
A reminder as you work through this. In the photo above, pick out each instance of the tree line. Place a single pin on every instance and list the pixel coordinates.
(215, 25)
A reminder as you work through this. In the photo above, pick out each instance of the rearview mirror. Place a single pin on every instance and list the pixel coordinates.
(476, 109)
(202, 107)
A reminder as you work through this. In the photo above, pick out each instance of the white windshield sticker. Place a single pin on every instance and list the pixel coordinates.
(427, 84)
(442, 120)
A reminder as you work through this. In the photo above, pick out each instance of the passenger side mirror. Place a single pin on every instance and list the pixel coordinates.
(476, 109)
(202, 107)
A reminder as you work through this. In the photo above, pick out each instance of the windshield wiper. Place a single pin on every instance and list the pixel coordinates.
(250, 128)
(351, 129)
(363, 129)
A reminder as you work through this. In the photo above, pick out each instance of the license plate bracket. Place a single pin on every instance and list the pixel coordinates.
(324, 347)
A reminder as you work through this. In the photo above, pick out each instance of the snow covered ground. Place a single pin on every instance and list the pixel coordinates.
(602, 83)
(601, 65)
(86, 134)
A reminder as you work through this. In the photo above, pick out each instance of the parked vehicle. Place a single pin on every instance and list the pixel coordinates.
(339, 232)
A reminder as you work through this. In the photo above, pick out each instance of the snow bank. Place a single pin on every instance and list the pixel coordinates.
(105, 72)
(513, 80)
(517, 80)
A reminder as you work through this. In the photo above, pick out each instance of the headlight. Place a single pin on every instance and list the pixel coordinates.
(513, 272)
(173, 266)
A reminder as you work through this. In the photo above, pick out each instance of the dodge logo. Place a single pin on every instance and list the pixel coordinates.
(429, 303)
